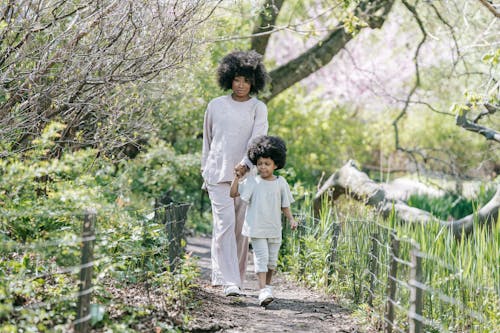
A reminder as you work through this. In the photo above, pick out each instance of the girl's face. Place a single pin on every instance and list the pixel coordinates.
(241, 88)
(266, 167)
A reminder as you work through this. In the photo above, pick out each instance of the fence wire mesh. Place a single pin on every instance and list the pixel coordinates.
(52, 277)
(406, 289)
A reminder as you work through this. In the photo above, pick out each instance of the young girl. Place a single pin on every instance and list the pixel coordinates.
(267, 196)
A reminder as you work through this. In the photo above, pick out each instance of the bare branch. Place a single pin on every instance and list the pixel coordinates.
(490, 110)
(413, 10)
(452, 32)
(493, 8)
(80, 62)
(488, 133)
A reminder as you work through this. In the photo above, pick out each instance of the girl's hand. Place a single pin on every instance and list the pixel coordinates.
(240, 170)
(237, 173)
(293, 224)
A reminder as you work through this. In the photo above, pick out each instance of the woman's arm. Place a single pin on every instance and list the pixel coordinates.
(260, 127)
(207, 137)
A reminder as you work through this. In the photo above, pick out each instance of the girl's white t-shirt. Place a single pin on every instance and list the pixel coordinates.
(265, 199)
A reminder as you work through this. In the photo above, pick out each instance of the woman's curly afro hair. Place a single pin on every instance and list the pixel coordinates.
(272, 147)
(242, 63)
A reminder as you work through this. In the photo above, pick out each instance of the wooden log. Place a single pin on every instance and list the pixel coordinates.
(349, 180)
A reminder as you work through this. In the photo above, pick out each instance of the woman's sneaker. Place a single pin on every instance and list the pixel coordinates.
(232, 290)
(265, 296)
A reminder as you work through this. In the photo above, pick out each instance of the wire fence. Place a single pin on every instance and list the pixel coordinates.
(366, 262)
(404, 288)
(57, 278)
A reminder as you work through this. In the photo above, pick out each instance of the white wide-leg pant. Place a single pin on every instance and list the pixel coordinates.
(229, 246)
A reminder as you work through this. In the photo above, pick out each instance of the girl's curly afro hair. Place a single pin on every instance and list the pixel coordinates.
(272, 147)
(242, 63)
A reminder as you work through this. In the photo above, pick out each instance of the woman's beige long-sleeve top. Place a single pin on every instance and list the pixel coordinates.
(228, 128)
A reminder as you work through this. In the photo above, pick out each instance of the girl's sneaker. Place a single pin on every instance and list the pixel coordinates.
(265, 296)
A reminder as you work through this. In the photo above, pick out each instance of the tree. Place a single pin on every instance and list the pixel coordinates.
(373, 13)
(82, 62)
(473, 126)
(433, 21)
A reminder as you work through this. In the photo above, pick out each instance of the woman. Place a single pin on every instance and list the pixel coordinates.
(231, 122)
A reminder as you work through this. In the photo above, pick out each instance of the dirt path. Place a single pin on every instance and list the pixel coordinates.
(296, 309)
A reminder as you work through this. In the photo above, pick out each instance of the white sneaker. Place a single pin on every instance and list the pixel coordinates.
(265, 296)
(232, 290)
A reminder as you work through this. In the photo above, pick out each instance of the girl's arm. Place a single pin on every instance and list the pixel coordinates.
(288, 213)
(233, 192)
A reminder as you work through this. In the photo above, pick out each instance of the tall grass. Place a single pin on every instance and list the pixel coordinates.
(452, 205)
(346, 251)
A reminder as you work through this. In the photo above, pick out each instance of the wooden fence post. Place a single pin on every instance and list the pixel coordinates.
(82, 322)
(373, 267)
(333, 251)
(416, 295)
(301, 232)
(175, 218)
(391, 284)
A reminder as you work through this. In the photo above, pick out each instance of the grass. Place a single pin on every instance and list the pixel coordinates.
(346, 251)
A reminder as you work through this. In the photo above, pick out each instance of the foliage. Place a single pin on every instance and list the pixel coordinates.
(35, 189)
(85, 64)
(43, 200)
(320, 135)
(159, 170)
(441, 146)
(346, 251)
(451, 205)
(108, 98)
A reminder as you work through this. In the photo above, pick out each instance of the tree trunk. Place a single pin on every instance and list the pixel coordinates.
(265, 25)
(308, 62)
(373, 12)
(351, 181)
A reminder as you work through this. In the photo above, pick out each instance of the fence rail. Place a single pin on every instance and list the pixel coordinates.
(393, 276)
(390, 273)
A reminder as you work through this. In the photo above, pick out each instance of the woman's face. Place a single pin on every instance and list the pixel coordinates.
(241, 88)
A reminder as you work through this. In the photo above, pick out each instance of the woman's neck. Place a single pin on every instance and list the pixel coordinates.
(240, 99)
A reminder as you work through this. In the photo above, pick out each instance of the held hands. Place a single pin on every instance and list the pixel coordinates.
(240, 170)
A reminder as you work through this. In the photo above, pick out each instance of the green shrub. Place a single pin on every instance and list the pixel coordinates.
(42, 200)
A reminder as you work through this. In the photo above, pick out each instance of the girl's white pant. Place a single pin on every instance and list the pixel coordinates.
(265, 253)
(229, 246)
